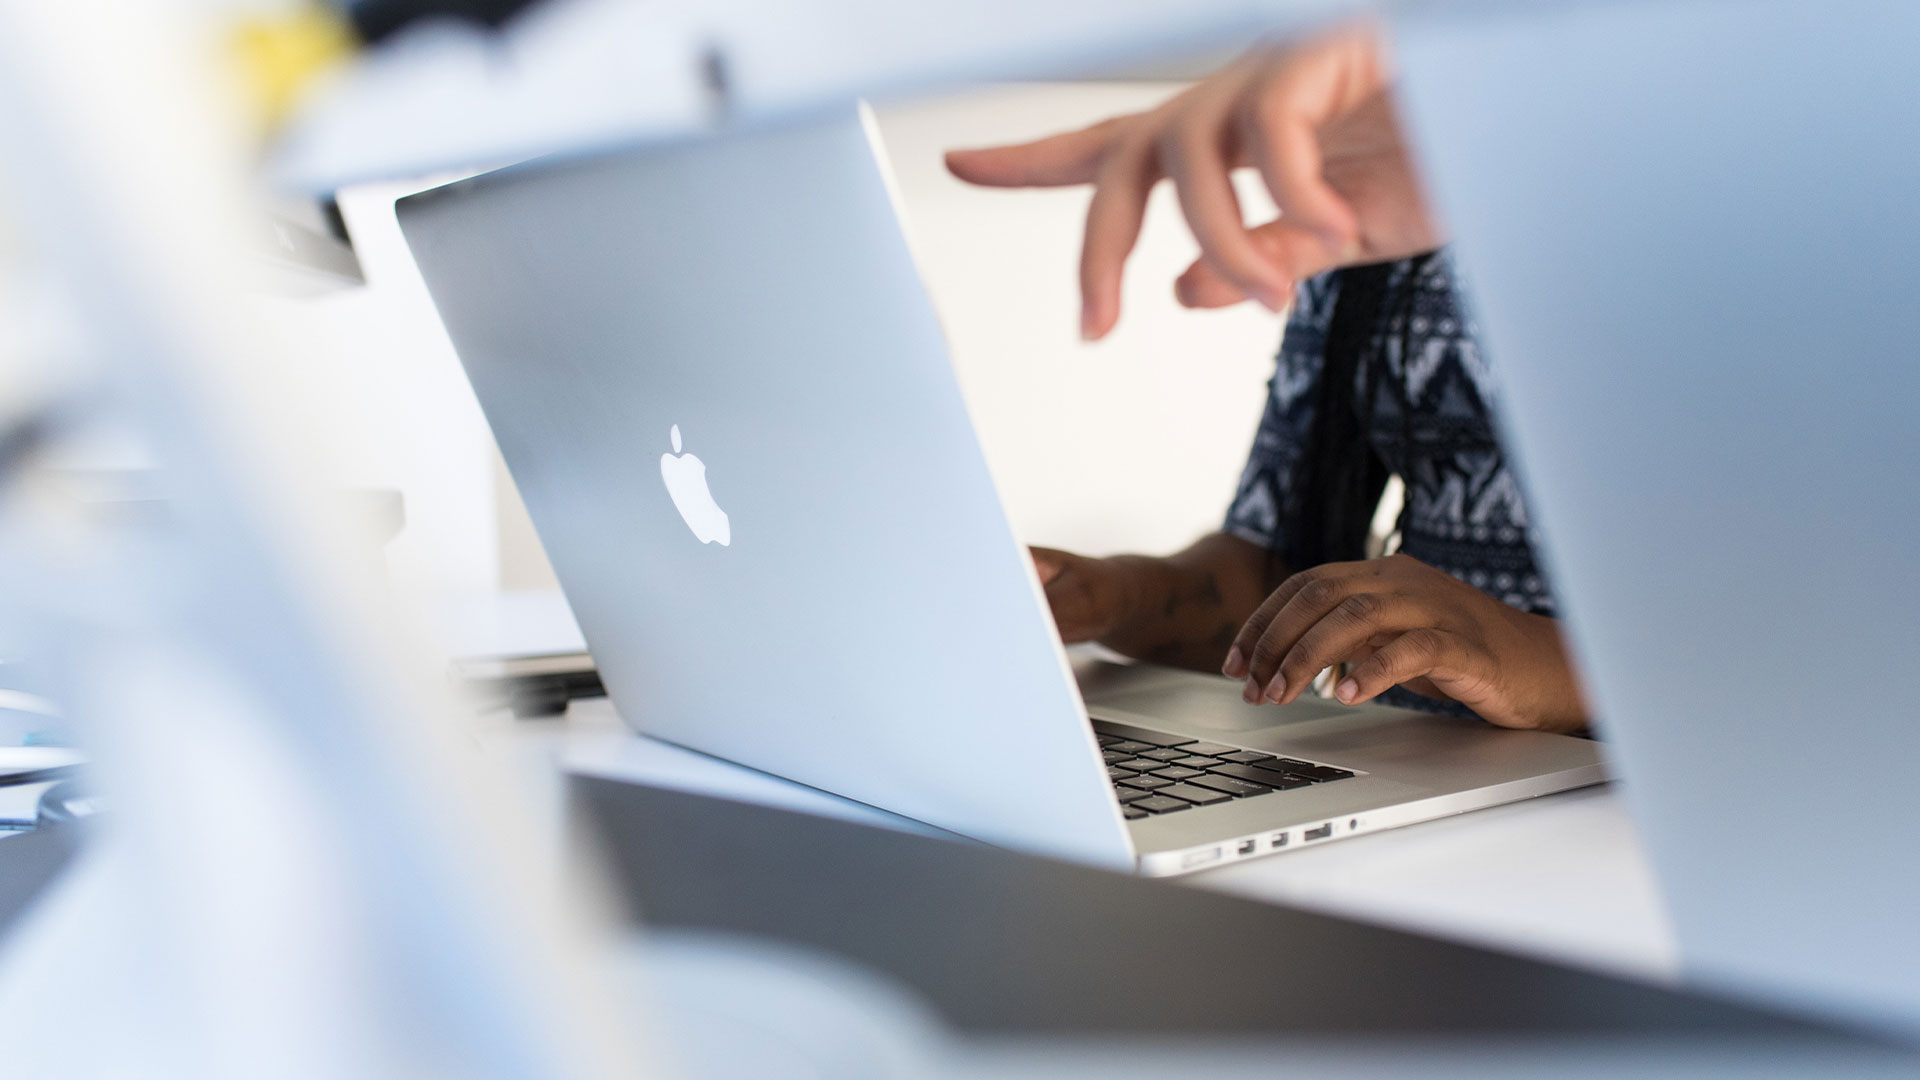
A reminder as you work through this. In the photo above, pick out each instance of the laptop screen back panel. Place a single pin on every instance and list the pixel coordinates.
(843, 602)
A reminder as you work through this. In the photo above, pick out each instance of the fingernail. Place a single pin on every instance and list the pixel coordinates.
(1347, 691)
(1251, 692)
(1087, 332)
(1277, 689)
(1235, 665)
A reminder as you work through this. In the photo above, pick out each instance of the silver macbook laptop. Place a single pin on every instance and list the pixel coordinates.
(721, 388)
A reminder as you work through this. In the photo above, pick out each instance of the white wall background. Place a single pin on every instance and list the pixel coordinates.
(1132, 444)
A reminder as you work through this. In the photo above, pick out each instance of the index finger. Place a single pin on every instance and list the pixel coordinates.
(1069, 158)
(1240, 653)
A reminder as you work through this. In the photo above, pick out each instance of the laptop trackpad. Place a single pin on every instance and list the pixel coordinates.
(1214, 707)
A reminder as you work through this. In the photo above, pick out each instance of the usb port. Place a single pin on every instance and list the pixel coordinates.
(1320, 832)
(1247, 846)
(1199, 858)
(1279, 840)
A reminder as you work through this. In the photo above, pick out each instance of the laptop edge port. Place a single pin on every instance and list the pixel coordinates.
(1199, 858)
(1247, 846)
(1279, 840)
(1318, 832)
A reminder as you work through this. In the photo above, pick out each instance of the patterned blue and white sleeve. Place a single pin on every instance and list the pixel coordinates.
(1266, 506)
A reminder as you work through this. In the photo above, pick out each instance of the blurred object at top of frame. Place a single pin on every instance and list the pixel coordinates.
(452, 85)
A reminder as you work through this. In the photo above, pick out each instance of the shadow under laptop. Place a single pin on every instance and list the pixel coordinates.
(997, 949)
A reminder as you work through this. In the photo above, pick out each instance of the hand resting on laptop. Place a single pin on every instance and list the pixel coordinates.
(1399, 622)
(1393, 622)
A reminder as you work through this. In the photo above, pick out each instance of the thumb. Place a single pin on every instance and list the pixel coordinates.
(1300, 253)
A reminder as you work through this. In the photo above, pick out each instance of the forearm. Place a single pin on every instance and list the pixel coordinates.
(1184, 609)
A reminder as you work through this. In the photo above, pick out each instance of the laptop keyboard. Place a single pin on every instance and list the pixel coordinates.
(1157, 773)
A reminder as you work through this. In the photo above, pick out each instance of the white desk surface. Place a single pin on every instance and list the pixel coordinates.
(1560, 877)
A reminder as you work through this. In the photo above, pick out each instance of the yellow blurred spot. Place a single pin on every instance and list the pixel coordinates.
(280, 57)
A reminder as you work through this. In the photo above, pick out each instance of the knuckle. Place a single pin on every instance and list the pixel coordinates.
(1256, 623)
(1424, 644)
(1122, 176)
(1264, 112)
(1320, 593)
(1314, 651)
(1248, 644)
(1265, 654)
(1121, 158)
(1268, 650)
(1171, 143)
(1301, 666)
(1193, 141)
(1363, 608)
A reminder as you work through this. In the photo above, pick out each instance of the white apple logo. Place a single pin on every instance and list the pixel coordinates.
(686, 478)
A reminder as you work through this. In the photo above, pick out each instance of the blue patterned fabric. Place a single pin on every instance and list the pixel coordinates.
(1430, 424)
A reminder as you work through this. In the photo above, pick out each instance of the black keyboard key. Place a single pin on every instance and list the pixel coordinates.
(1140, 764)
(1197, 762)
(1137, 734)
(1199, 796)
(1148, 783)
(1319, 774)
(1305, 770)
(1246, 757)
(1160, 804)
(1178, 772)
(1128, 746)
(1106, 740)
(1133, 813)
(1165, 753)
(1211, 749)
(1115, 772)
(1239, 789)
(1291, 771)
(1252, 775)
(1111, 756)
(1127, 794)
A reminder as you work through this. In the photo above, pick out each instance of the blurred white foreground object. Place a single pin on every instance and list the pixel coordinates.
(306, 874)
(576, 75)
(1693, 240)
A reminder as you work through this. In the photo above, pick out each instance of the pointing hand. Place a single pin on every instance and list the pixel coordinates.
(1315, 117)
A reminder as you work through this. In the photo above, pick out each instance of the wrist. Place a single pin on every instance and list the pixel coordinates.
(1133, 583)
(1558, 703)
